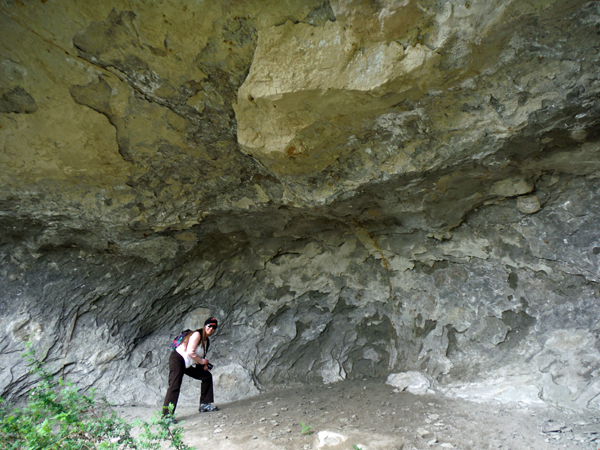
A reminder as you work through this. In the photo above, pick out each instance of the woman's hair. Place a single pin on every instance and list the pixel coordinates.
(203, 338)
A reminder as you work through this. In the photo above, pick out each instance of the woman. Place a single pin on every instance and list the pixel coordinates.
(190, 359)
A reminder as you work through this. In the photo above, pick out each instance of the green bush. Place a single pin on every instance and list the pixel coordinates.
(58, 416)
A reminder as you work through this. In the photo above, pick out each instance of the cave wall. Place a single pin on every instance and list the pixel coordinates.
(509, 298)
(352, 188)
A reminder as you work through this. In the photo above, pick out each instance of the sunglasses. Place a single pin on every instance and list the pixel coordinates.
(214, 327)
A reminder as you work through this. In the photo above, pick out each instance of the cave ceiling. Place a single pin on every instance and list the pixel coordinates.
(179, 120)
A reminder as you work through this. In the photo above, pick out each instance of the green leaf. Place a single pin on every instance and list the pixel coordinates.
(58, 416)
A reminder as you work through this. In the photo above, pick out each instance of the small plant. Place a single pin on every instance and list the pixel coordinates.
(58, 416)
(306, 429)
(356, 447)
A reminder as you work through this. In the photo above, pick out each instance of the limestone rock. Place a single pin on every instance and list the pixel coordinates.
(411, 381)
(511, 187)
(299, 72)
(18, 101)
(329, 439)
(233, 382)
(528, 204)
(508, 390)
(590, 397)
(389, 20)
(352, 187)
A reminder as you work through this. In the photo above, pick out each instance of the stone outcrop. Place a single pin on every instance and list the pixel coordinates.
(354, 188)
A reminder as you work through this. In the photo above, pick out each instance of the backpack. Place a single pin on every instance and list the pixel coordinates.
(179, 339)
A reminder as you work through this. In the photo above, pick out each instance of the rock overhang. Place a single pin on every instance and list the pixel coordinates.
(322, 157)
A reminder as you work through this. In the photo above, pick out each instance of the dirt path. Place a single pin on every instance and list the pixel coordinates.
(371, 416)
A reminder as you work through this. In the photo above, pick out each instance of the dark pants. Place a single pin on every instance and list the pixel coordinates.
(176, 371)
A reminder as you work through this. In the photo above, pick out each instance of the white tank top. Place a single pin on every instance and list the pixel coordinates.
(189, 362)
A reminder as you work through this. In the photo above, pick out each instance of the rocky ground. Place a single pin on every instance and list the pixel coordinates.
(369, 415)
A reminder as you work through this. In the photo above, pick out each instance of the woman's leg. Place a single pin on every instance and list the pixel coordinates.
(176, 371)
(206, 390)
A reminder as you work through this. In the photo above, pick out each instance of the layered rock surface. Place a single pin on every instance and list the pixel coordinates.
(354, 189)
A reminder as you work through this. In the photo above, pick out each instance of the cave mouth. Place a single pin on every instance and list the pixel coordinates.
(358, 191)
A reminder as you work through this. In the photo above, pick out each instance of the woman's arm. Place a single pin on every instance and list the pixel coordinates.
(191, 349)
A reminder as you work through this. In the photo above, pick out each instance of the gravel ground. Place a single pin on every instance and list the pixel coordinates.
(369, 415)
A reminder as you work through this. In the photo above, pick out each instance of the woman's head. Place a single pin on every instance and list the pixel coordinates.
(210, 326)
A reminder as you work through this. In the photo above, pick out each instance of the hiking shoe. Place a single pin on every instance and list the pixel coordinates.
(206, 407)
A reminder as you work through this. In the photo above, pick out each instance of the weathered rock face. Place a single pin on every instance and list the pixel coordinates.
(353, 188)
